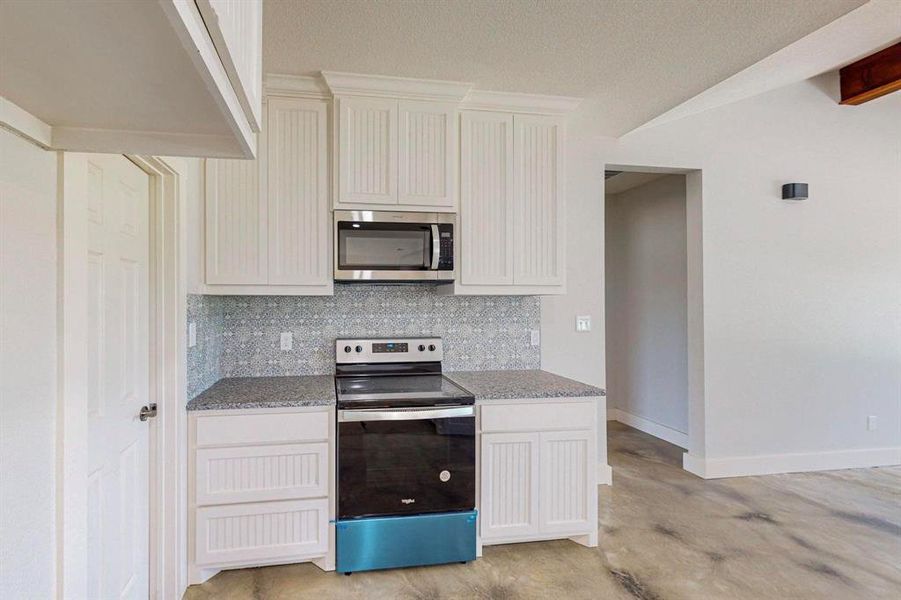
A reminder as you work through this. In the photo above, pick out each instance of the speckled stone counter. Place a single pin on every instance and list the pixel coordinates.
(266, 392)
(511, 385)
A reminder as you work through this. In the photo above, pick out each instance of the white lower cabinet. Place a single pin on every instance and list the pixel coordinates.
(510, 485)
(261, 488)
(540, 483)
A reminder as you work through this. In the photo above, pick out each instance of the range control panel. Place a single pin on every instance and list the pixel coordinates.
(384, 350)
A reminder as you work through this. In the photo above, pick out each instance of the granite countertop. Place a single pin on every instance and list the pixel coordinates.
(513, 384)
(267, 392)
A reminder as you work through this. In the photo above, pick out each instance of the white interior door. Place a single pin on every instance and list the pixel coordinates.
(118, 377)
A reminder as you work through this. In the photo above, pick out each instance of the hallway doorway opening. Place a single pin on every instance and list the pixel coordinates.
(654, 341)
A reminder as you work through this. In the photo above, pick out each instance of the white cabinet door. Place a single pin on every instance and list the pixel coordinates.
(253, 533)
(426, 158)
(564, 501)
(367, 150)
(510, 478)
(237, 248)
(537, 201)
(298, 212)
(486, 199)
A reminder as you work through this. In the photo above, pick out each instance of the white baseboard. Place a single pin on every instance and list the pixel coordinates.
(667, 434)
(741, 466)
(605, 475)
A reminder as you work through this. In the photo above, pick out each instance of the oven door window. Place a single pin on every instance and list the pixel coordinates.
(406, 467)
(384, 246)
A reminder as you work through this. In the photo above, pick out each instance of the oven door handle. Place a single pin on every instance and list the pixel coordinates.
(436, 247)
(404, 414)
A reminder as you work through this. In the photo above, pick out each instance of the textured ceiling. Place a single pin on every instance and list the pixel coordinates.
(631, 59)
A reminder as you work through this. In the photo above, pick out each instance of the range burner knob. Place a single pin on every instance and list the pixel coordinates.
(347, 348)
(359, 348)
(421, 348)
(431, 347)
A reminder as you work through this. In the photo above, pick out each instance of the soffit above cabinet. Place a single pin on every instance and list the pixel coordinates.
(124, 77)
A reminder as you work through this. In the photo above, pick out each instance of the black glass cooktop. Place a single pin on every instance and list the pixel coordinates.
(384, 391)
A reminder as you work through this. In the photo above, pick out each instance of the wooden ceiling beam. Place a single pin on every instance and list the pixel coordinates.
(871, 77)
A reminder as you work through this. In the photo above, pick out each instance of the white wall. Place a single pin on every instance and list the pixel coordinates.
(802, 327)
(27, 369)
(646, 302)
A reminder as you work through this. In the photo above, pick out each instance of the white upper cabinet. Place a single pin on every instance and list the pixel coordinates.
(426, 143)
(367, 150)
(396, 154)
(537, 201)
(236, 238)
(485, 247)
(397, 142)
(236, 27)
(267, 221)
(511, 205)
(297, 160)
(163, 77)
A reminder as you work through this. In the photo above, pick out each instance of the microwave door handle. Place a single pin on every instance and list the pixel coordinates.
(436, 247)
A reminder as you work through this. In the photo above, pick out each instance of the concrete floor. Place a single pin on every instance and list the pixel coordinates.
(665, 534)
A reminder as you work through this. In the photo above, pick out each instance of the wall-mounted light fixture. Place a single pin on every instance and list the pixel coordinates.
(794, 191)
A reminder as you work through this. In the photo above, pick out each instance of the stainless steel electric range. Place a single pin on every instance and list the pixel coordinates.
(406, 457)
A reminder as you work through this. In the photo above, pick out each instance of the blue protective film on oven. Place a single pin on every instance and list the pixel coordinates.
(391, 542)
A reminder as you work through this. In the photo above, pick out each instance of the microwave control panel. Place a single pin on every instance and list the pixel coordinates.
(446, 240)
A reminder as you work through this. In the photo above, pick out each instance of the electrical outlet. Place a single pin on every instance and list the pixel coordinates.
(192, 335)
(535, 337)
(871, 423)
(583, 323)
(287, 340)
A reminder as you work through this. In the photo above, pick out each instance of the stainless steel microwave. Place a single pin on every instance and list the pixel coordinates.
(385, 246)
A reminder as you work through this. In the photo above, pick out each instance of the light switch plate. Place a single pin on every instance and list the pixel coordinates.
(583, 323)
(287, 340)
(872, 423)
(192, 334)
(535, 337)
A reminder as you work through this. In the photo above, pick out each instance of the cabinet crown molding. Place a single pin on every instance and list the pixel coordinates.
(354, 84)
(333, 83)
(539, 104)
(296, 85)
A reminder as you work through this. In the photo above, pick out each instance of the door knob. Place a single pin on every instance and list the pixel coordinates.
(147, 412)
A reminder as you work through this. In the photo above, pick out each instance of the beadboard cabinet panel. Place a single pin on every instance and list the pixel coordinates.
(537, 206)
(297, 161)
(486, 199)
(426, 154)
(511, 205)
(565, 477)
(237, 250)
(538, 482)
(509, 485)
(261, 473)
(259, 532)
(261, 488)
(367, 150)
(267, 220)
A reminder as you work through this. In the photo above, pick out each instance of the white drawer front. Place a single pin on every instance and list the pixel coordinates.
(268, 428)
(251, 533)
(537, 417)
(261, 473)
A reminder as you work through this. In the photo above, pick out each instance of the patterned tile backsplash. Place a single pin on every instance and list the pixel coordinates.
(203, 359)
(238, 336)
